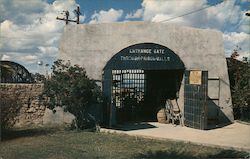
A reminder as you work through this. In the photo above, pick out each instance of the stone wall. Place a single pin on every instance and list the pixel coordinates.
(21, 105)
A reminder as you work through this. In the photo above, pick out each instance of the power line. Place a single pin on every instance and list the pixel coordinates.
(230, 15)
(190, 12)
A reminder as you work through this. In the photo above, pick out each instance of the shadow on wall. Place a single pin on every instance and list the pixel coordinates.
(216, 117)
(96, 112)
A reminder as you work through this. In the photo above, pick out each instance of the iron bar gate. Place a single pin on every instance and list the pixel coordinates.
(128, 89)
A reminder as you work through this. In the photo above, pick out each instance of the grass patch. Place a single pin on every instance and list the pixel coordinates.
(74, 144)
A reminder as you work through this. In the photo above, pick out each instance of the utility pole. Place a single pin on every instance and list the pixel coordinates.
(67, 20)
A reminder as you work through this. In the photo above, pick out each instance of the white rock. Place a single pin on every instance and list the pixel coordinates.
(59, 118)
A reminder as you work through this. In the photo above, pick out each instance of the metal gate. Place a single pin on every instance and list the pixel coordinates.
(195, 99)
(128, 89)
(118, 91)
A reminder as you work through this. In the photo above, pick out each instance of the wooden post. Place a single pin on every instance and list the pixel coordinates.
(78, 15)
(67, 20)
(67, 17)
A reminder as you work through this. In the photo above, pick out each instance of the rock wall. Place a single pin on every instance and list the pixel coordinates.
(21, 105)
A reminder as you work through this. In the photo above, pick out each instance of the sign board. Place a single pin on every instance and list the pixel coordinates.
(195, 77)
(145, 56)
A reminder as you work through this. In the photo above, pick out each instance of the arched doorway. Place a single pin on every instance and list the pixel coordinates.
(138, 79)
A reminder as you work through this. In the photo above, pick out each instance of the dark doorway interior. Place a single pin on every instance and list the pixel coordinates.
(160, 85)
(137, 94)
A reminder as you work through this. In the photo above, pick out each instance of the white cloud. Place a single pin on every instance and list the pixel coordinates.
(225, 16)
(24, 59)
(29, 59)
(170, 8)
(111, 15)
(233, 39)
(244, 24)
(162, 17)
(50, 50)
(33, 33)
(137, 14)
(5, 57)
(20, 11)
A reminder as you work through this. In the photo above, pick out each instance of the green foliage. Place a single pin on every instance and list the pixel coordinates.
(239, 74)
(9, 107)
(70, 88)
(39, 78)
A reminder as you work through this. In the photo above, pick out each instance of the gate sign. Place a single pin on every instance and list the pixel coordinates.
(195, 77)
(145, 56)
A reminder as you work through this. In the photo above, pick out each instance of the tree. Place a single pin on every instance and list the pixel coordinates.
(39, 78)
(10, 106)
(239, 75)
(70, 88)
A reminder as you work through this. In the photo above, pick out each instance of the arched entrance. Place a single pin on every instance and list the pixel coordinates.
(138, 79)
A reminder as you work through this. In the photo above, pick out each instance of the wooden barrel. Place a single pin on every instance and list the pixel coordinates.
(161, 115)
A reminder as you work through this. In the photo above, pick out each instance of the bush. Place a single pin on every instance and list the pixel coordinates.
(70, 88)
(9, 108)
(38, 78)
(239, 75)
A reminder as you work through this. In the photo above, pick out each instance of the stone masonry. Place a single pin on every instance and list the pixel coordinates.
(21, 105)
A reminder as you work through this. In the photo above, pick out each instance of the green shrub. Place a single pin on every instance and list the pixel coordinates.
(9, 107)
(70, 88)
(239, 75)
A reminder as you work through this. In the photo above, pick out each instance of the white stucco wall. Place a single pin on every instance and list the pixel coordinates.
(93, 45)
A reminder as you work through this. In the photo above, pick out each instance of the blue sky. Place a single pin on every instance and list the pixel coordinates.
(29, 32)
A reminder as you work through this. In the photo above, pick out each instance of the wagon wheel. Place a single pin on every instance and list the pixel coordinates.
(163, 115)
